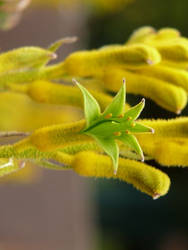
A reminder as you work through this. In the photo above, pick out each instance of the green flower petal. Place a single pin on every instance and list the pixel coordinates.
(117, 106)
(135, 111)
(111, 148)
(131, 141)
(91, 106)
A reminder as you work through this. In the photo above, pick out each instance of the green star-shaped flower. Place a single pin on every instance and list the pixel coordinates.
(113, 124)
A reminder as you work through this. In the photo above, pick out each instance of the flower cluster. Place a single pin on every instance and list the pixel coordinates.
(110, 139)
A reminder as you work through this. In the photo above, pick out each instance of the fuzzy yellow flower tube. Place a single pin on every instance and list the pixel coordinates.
(91, 63)
(171, 97)
(153, 62)
(53, 93)
(171, 136)
(145, 178)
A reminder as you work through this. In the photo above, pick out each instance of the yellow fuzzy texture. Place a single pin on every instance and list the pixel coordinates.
(48, 92)
(162, 72)
(150, 36)
(169, 144)
(167, 41)
(176, 65)
(168, 152)
(166, 34)
(91, 63)
(173, 98)
(60, 94)
(58, 136)
(23, 58)
(175, 51)
(145, 178)
(141, 35)
(174, 128)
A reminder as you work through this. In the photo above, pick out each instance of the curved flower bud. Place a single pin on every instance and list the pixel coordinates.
(144, 177)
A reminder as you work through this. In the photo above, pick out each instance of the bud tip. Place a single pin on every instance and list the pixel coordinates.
(143, 100)
(115, 171)
(156, 196)
(178, 112)
(53, 56)
(152, 131)
(149, 61)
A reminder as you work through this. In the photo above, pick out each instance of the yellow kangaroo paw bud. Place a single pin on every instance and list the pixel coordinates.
(88, 146)
(58, 136)
(173, 132)
(170, 153)
(150, 36)
(48, 92)
(176, 64)
(144, 177)
(165, 73)
(141, 35)
(172, 128)
(166, 34)
(91, 63)
(23, 58)
(173, 51)
(170, 97)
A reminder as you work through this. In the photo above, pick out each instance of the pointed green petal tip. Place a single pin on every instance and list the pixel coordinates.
(135, 111)
(91, 106)
(117, 106)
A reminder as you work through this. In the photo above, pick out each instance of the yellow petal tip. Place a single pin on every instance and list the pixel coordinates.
(178, 112)
(156, 196)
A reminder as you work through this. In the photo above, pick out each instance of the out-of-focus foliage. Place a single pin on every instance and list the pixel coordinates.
(99, 6)
(10, 12)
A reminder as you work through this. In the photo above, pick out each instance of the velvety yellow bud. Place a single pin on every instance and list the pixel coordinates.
(174, 51)
(172, 128)
(169, 152)
(170, 97)
(169, 144)
(145, 178)
(58, 136)
(49, 92)
(23, 58)
(91, 63)
(166, 34)
(168, 74)
(183, 65)
(141, 35)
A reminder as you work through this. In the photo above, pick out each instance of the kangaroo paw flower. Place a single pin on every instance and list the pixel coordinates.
(113, 124)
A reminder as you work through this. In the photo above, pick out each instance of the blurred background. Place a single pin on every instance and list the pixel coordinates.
(60, 210)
